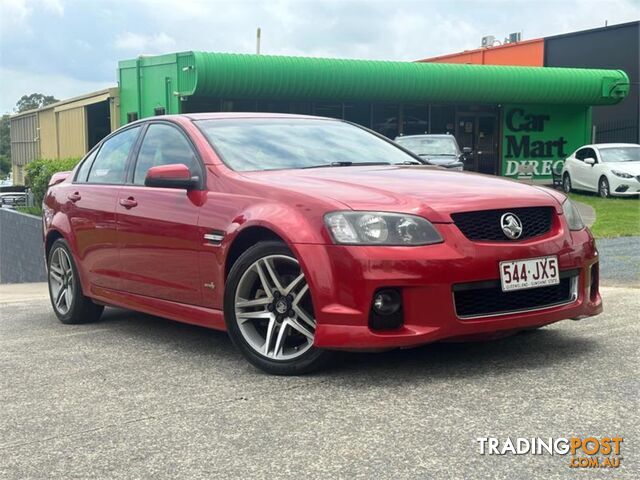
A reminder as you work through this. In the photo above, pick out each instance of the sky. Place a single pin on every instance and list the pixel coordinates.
(67, 48)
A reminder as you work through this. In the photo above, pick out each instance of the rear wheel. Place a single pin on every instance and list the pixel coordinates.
(566, 183)
(269, 312)
(603, 187)
(69, 304)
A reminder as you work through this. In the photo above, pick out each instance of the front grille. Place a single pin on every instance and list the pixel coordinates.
(484, 225)
(487, 298)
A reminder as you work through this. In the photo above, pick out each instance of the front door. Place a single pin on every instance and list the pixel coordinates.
(479, 131)
(582, 173)
(158, 233)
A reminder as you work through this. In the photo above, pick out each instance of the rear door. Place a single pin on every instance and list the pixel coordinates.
(91, 208)
(158, 227)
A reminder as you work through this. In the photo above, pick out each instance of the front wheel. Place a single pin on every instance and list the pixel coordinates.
(603, 187)
(69, 304)
(269, 312)
(566, 183)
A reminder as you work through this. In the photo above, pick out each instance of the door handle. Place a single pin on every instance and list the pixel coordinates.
(128, 202)
(74, 197)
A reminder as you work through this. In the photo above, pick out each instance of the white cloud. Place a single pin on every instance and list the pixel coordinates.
(17, 83)
(53, 6)
(130, 41)
(86, 39)
(13, 15)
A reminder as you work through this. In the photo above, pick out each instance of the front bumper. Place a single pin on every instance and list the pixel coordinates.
(343, 280)
(624, 187)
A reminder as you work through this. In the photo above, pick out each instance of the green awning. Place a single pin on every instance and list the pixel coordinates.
(237, 76)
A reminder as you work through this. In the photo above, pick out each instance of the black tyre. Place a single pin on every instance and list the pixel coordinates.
(566, 183)
(65, 291)
(603, 187)
(269, 312)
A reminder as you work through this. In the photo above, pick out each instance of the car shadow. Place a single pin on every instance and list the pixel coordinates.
(520, 352)
(524, 351)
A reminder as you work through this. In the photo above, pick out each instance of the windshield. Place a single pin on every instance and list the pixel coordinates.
(275, 143)
(620, 154)
(429, 145)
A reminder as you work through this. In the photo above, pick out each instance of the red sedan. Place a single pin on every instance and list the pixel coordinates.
(302, 235)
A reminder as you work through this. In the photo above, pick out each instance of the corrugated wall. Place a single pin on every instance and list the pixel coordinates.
(24, 139)
(48, 134)
(72, 132)
(526, 53)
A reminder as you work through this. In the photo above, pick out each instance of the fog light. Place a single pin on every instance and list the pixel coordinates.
(386, 310)
(386, 302)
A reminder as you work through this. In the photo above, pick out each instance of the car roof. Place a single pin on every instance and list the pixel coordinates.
(186, 117)
(610, 145)
(423, 135)
(232, 115)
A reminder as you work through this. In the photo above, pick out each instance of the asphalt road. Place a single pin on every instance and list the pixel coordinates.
(135, 396)
(620, 260)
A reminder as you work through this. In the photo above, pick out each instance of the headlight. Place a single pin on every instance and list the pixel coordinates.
(380, 228)
(620, 174)
(572, 215)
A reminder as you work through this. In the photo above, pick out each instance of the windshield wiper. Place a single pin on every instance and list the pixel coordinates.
(411, 162)
(347, 164)
(437, 155)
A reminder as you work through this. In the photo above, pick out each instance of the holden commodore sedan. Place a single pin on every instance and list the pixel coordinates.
(300, 236)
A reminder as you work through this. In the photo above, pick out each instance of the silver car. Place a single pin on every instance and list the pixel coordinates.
(441, 150)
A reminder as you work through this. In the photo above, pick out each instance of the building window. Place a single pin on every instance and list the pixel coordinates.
(359, 113)
(302, 108)
(273, 107)
(326, 109)
(443, 119)
(415, 120)
(386, 119)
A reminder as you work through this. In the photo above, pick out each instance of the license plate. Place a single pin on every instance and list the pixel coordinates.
(530, 273)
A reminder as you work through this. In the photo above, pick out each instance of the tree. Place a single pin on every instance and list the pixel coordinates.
(33, 101)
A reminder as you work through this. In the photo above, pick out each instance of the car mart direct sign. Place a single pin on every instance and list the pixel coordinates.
(537, 138)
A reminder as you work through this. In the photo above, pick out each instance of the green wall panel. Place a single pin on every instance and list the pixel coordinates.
(537, 138)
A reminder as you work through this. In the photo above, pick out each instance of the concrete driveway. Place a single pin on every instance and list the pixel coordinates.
(135, 396)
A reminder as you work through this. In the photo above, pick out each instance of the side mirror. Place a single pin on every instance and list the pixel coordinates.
(175, 175)
(590, 161)
(58, 177)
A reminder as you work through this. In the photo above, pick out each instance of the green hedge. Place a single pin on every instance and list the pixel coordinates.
(39, 172)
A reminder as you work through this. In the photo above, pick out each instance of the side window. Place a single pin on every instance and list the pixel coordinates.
(581, 154)
(164, 145)
(590, 153)
(111, 161)
(83, 171)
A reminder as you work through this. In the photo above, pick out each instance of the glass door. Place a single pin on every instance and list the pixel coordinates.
(479, 131)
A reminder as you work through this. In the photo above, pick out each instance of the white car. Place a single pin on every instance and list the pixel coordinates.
(605, 168)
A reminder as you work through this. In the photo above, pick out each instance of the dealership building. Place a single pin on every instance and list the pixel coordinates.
(519, 120)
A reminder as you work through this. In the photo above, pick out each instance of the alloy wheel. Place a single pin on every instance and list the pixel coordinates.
(604, 188)
(273, 308)
(61, 281)
(566, 184)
